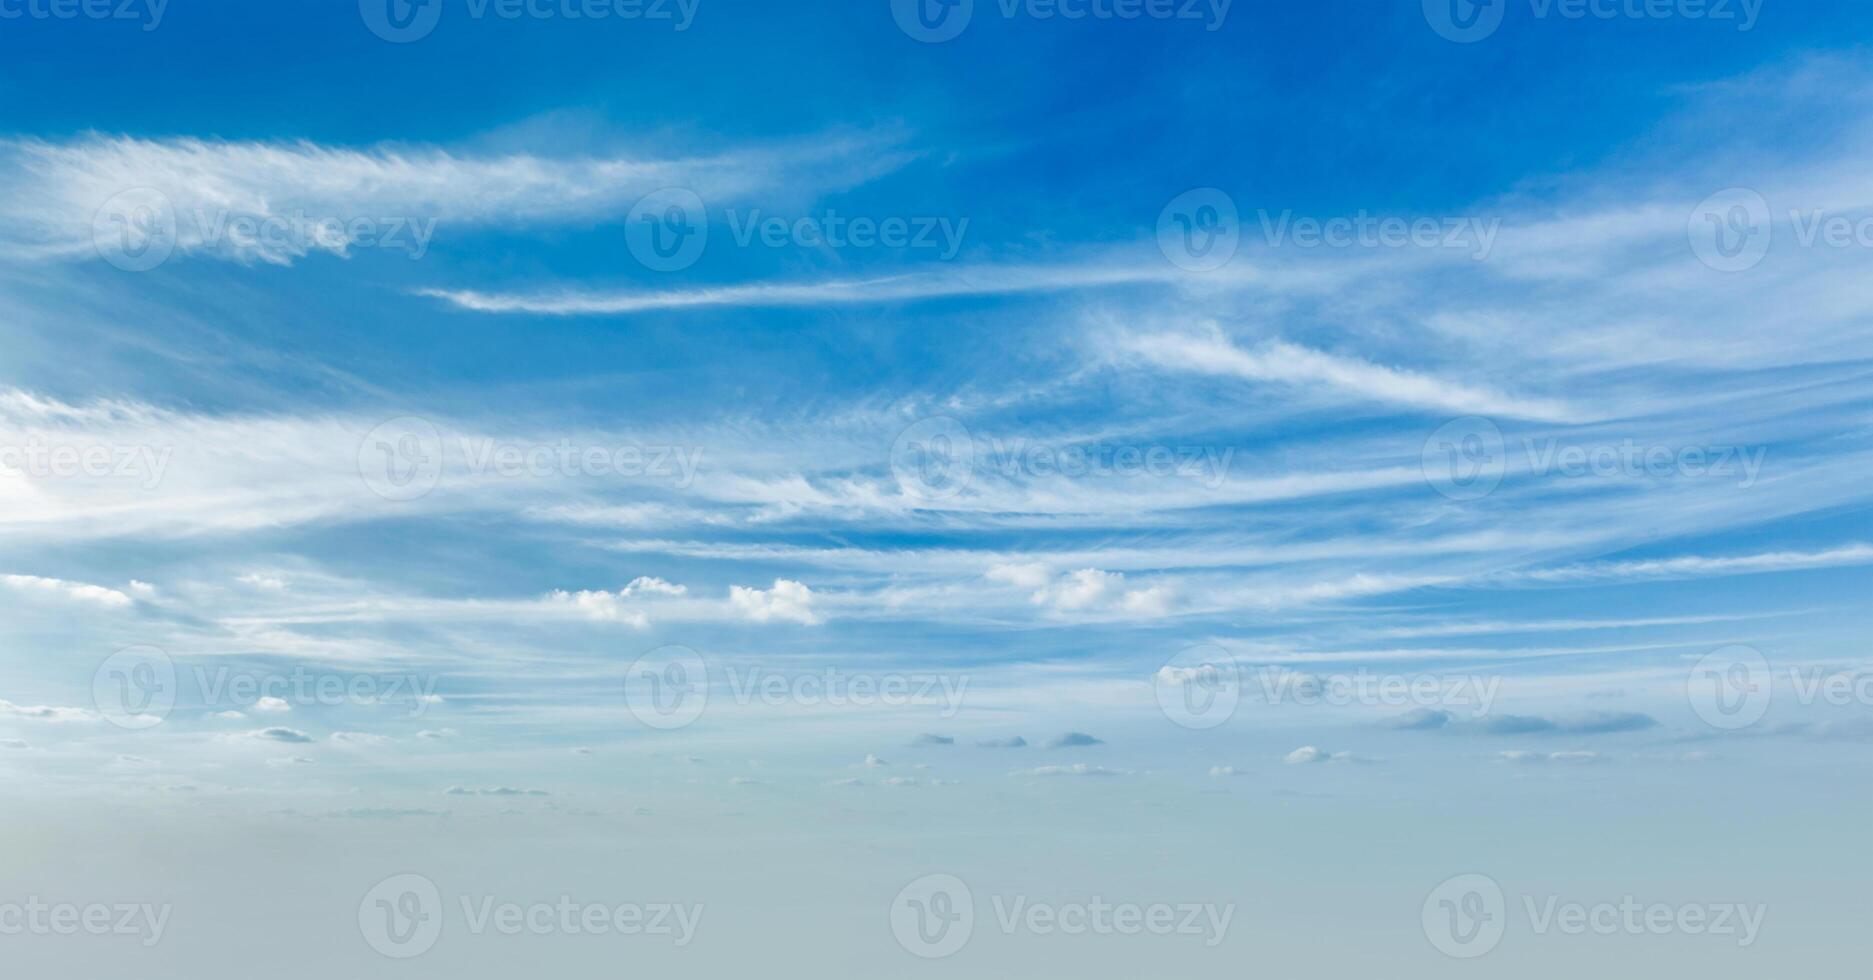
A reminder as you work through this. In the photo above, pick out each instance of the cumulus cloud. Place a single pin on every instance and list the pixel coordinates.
(788, 601)
(277, 734)
(494, 791)
(605, 607)
(1308, 755)
(1010, 742)
(647, 585)
(1073, 740)
(1088, 590)
(873, 762)
(1526, 758)
(272, 706)
(931, 740)
(1419, 720)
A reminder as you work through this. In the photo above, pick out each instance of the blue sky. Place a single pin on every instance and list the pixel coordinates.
(1276, 459)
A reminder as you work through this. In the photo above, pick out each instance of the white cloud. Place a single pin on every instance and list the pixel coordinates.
(272, 706)
(45, 713)
(70, 591)
(602, 606)
(788, 601)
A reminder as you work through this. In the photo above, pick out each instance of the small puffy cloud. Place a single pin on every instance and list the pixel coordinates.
(1073, 740)
(259, 580)
(853, 781)
(932, 740)
(1011, 742)
(60, 589)
(12, 743)
(1077, 769)
(229, 715)
(437, 733)
(1086, 590)
(788, 601)
(581, 750)
(604, 607)
(873, 762)
(900, 781)
(276, 734)
(271, 706)
(647, 585)
(745, 781)
(142, 590)
(1217, 772)
(1419, 720)
(495, 791)
(291, 760)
